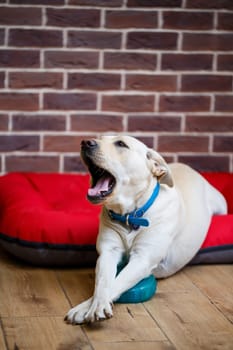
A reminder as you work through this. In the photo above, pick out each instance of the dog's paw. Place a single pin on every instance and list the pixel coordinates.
(99, 310)
(77, 314)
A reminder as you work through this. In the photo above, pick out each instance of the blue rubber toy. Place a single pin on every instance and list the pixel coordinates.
(142, 291)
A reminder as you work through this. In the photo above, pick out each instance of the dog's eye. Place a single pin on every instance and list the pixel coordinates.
(120, 143)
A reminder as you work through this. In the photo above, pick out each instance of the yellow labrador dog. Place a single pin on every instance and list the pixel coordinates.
(154, 213)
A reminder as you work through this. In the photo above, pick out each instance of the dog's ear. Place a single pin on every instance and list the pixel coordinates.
(159, 168)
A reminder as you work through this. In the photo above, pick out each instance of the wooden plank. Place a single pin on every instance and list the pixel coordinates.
(216, 282)
(29, 291)
(188, 318)
(2, 341)
(134, 346)
(43, 333)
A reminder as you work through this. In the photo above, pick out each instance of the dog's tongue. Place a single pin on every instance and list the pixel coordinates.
(101, 186)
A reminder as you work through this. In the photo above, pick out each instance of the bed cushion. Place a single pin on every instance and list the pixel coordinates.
(45, 219)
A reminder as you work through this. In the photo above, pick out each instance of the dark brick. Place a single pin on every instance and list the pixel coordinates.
(4, 121)
(73, 18)
(225, 21)
(34, 80)
(69, 101)
(206, 162)
(223, 143)
(19, 101)
(62, 143)
(224, 103)
(43, 122)
(38, 2)
(151, 82)
(9, 143)
(154, 3)
(98, 3)
(2, 79)
(204, 123)
(205, 82)
(19, 59)
(182, 143)
(94, 39)
(129, 60)
(152, 40)
(2, 35)
(94, 81)
(20, 16)
(71, 59)
(225, 62)
(35, 37)
(73, 164)
(184, 103)
(131, 19)
(32, 163)
(154, 123)
(206, 42)
(96, 122)
(187, 20)
(187, 61)
(207, 4)
(124, 103)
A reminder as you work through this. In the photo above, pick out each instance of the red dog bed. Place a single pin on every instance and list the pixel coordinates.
(46, 220)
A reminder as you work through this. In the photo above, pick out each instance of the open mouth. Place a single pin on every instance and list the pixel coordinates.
(103, 183)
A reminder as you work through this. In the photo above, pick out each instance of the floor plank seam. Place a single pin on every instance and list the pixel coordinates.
(63, 289)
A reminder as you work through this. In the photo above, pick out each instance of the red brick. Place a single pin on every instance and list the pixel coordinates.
(62, 143)
(147, 140)
(35, 38)
(20, 16)
(37, 122)
(2, 35)
(66, 17)
(2, 79)
(131, 19)
(182, 143)
(225, 21)
(34, 80)
(151, 82)
(73, 164)
(94, 81)
(153, 3)
(9, 143)
(184, 103)
(224, 103)
(187, 20)
(206, 42)
(98, 3)
(130, 103)
(19, 101)
(206, 162)
(207, 4)
(38, 2)
(225, 62)
(32, 163)
(223, 143)
(129, 60)
(94, 39)
(187, 61)
(97, 122)
(69, 101)
(4, 121)
(204, 123)
(152, 40)
(71, 59)
(206, 82)
(19, 59)
(154, 123)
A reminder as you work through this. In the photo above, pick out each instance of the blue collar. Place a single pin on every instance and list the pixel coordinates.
(134, 219)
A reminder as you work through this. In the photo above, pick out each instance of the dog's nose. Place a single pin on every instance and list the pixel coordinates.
(89, 144)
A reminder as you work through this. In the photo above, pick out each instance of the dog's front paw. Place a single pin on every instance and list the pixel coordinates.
(100, 310)
(77, 314)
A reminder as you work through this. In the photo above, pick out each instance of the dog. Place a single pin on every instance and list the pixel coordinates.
(157, 215)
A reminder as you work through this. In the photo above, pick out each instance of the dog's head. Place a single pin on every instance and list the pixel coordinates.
(121, 166)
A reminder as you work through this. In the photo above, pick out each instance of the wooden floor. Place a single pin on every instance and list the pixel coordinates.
(191, 310)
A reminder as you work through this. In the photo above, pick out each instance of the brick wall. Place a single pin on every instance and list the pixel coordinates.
(160, 70)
